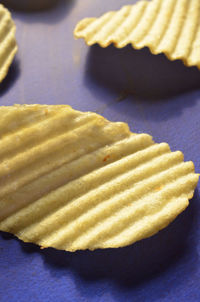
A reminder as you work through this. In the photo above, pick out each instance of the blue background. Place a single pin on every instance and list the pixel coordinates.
(153, 95)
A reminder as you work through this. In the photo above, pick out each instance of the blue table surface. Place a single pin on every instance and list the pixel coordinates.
(152, 95)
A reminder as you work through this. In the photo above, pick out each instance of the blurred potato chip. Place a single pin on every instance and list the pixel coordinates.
(171, 27)
(73, 180)
(8, 46)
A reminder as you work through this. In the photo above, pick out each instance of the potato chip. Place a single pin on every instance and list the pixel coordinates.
(8, 46)
(73, 180)
(171, 27)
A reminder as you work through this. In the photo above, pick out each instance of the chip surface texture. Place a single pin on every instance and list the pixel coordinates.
(8, 45)
(74, 181)
(171, 27)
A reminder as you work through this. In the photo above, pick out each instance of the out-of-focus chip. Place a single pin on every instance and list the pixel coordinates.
(8, 46)
(73, 180)
(171, 27)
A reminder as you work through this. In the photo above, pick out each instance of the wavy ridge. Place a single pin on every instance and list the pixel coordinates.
(89, 183)
(171, 27)
(8, 45)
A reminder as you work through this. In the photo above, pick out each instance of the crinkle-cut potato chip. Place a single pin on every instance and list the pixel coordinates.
(171, 27)
(8, 45)
(75, 181)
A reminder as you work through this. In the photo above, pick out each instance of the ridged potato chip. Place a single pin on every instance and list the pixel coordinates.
(8, 45)
(74, 181)
(171, 27)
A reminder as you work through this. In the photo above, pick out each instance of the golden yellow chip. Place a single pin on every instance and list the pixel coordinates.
(8, 46)
(171, 27)
(73, 180)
